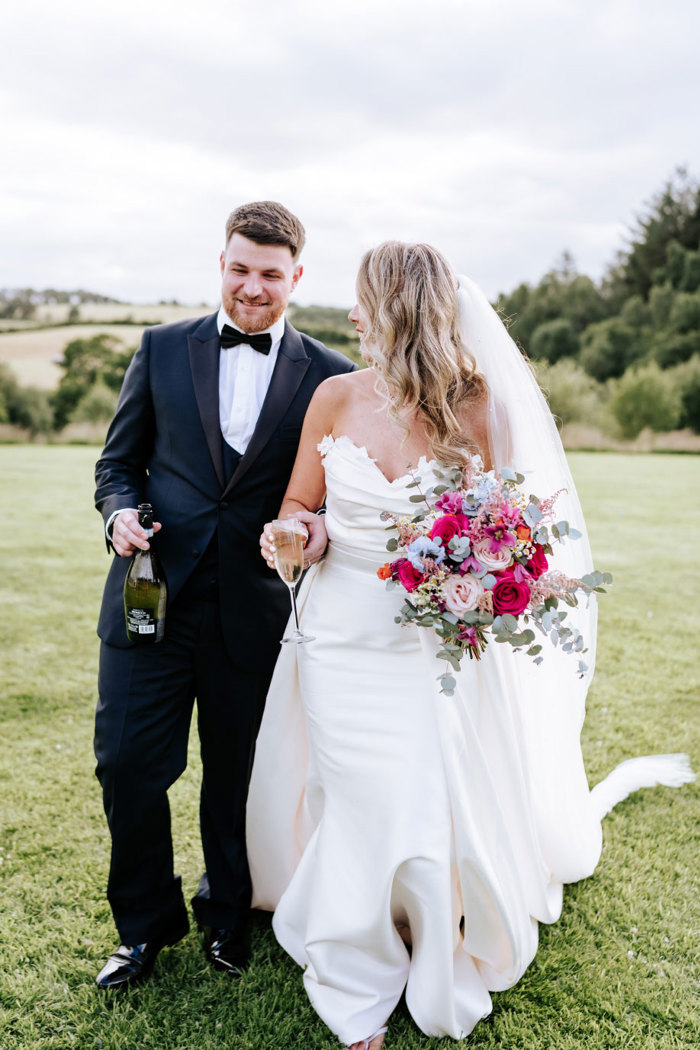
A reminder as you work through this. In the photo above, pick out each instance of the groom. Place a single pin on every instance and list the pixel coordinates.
(206, 429)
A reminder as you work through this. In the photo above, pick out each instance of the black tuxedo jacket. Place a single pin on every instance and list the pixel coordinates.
(164, 446)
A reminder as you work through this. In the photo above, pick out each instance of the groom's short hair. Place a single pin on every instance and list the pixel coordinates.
(267, 222)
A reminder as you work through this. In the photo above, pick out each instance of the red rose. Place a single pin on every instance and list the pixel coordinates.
(408, 576)
(538, 562)
(445, 528)
(509, 596)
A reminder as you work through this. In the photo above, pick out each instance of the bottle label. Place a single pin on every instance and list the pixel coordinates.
(140, 621)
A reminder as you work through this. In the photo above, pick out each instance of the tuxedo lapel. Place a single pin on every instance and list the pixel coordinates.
(203, 348)
(290, 369)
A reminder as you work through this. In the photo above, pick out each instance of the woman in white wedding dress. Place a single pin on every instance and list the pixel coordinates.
(409, 841)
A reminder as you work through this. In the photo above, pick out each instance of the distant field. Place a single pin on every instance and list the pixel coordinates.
(33, 351)
(105, 312)
(32, 354)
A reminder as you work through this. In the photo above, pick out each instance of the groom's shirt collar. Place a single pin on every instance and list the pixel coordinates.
(244, 377)
(276, 330)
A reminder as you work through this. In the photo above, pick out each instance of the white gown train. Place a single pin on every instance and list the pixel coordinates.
(376, 801)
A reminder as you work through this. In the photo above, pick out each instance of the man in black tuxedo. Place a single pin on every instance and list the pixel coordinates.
(206, 429)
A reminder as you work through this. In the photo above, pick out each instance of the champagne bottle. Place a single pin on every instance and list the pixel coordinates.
(145, 589)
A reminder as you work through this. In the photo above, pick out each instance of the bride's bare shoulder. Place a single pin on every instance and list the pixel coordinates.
(333, 398)
(339, 389)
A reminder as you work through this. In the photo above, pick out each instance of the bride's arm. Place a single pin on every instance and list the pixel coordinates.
(307, 485)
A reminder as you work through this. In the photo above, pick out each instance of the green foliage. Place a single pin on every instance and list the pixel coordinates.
(562, 294)
(555, 339)
(97, 404)
(86, 362)
(686, 380)
(645, 397)
(330, 326)
(573, 395)
(18, 304)
(28, 407)
(671, 217)
(609, 347)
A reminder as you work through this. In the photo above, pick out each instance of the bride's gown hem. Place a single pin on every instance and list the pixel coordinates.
(376, 801)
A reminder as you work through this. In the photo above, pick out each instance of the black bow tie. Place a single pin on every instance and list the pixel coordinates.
(232, 337)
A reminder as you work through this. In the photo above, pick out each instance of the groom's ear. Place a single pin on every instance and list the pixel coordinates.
(296, 275)
(222, 261)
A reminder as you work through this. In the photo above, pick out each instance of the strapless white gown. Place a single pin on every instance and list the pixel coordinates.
(376, 801)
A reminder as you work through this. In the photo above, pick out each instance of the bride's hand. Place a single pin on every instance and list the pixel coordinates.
(316, 543)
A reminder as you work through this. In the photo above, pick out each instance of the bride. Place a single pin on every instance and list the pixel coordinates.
(408, 841)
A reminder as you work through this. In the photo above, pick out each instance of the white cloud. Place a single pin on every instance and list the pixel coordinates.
(502, 132)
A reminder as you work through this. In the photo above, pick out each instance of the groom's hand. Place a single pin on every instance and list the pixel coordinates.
(127, 534)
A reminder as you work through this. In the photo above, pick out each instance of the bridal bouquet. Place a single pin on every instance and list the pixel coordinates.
(473, 561)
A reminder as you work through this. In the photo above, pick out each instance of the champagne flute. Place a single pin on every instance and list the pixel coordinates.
(289, 537)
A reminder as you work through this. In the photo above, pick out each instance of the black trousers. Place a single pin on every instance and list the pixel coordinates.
(146, 695)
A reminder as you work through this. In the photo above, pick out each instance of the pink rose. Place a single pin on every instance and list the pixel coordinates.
(461, 593)
(494, 561)
(538, 562)
(445, 528)
(509, 596)
(408, 576)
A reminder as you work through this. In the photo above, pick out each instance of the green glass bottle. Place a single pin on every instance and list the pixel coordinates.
(145, 589)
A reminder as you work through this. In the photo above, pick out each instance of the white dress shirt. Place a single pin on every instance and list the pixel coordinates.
(244, 376)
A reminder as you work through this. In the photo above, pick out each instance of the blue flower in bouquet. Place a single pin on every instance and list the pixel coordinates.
(484, 487)
(424, 547)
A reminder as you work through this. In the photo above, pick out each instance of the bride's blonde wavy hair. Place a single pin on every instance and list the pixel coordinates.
(409, 295)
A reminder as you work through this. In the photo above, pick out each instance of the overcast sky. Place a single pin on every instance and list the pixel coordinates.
(501, 131)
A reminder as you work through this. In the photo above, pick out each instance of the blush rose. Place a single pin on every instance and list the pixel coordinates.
(462, 593)
(494, 561)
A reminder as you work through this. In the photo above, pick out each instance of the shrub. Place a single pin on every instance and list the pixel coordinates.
(85, 362)
(609, 347)
(573, 395)
(95, 406)
(24, 406)
(645, 397)
(553, 340)
(686, 381)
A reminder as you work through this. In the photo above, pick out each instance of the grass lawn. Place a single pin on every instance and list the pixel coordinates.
(619, 970)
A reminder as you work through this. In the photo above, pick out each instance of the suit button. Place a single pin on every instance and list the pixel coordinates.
(224, 504)
(195, 553)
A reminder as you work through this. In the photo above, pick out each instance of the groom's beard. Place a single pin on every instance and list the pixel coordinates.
(264, 317)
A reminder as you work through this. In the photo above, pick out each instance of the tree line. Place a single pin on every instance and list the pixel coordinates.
(624, 353)
(621, 354)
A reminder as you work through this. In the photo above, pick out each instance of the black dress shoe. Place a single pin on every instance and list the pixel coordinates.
(133, 963)
(226, 951)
